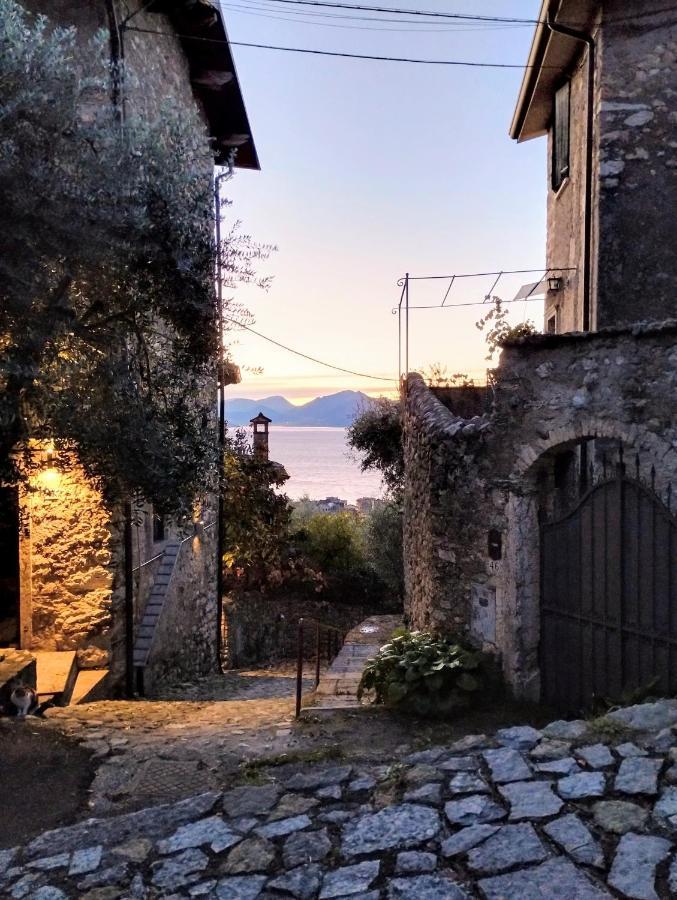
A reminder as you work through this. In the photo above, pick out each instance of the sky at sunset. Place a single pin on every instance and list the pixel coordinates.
(372, 169)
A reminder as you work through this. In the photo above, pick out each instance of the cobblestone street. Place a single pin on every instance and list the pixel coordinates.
(574, 810)
(190, 739)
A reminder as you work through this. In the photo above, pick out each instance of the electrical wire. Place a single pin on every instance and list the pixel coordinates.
(305, 355)
(313, 18)
(471, 17)
(342, 55)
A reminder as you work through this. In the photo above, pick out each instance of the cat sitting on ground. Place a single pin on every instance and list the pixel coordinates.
(24, 699)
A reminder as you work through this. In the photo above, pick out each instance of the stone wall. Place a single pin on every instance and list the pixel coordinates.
(565, 210)
(71, 555)
(262, 628)
(634, 175)
(184, 646)
(637, 167)
(470, 483)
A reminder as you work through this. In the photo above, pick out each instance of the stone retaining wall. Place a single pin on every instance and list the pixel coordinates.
(264, 628)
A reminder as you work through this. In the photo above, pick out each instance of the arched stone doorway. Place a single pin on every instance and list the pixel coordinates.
(588, 596)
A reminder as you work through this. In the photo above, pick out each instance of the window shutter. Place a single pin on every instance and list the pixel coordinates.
(560, 162)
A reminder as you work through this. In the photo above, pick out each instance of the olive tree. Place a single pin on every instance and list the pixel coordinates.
(108, 328)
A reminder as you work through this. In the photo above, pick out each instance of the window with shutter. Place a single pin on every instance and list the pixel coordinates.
(560, 142)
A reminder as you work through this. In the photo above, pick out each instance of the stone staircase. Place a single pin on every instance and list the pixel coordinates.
(338, 686)
(153, 610)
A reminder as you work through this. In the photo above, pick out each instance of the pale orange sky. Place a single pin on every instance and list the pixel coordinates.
(370, 169)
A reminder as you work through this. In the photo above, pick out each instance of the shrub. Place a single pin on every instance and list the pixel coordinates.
(384, 547)
(333, 542)
(424, 674)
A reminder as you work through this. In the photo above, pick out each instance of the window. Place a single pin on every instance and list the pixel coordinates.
(158, 528)
(560, 136)
(552, 325)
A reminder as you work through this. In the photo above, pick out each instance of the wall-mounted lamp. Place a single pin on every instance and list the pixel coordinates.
(555, 283)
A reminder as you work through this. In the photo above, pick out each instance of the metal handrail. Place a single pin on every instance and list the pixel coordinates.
(332, 642)
(153, 559)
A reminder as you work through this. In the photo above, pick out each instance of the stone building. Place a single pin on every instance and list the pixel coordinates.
(539, 512)
(602, 88)
(62, 560)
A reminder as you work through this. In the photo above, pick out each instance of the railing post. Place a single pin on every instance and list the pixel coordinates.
(299, 668)
(129, 601)
(318, 635)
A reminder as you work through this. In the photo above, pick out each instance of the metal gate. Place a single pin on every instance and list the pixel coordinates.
(609, 596)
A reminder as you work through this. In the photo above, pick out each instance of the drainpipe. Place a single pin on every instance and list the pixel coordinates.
(587, 222)
(221, 376)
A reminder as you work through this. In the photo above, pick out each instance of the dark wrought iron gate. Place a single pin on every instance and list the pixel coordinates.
(609, 596)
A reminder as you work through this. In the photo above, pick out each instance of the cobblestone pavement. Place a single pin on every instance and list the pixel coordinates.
(185, 741)
(577, 810)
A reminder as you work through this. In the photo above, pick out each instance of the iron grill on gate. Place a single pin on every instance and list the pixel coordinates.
(609, 595)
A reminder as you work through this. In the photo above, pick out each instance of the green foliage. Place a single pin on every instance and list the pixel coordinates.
(333, 542)
(501, 330)
(383, 542)
(376, 435)
(256, 528)
(107, 260)
(424, 674)
(437, 375)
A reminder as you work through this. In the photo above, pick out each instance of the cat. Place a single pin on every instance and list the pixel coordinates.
(24, 699)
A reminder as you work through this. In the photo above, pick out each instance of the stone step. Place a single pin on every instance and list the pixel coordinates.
(57, 671)
(154, 606)
(90, 685)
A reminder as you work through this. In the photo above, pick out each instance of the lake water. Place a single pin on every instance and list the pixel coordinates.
(321, 464)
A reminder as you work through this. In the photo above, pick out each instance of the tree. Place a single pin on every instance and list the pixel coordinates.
(107, 259)
(333, 543)
(256, 517)
(376, 434)
(383, 541)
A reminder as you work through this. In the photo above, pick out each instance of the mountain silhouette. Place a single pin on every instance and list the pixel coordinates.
(334, 410)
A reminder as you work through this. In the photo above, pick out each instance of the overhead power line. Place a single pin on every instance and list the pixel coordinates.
(336, 20)
(341, 54)
(470, 17)
(305, 355)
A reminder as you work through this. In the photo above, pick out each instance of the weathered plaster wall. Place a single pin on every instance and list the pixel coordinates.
(465, 478)
(70, 559)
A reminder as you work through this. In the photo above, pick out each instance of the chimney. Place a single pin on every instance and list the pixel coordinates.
(260, 425)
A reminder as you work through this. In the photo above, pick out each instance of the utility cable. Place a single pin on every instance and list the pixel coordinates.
(336, 53)
(471, 17)
(305, 355)
(313, 18)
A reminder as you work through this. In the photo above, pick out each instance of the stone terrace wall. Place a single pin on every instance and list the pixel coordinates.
(465, 477)
(264, 628)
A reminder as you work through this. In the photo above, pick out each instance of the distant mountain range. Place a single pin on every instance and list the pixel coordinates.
(335, 410)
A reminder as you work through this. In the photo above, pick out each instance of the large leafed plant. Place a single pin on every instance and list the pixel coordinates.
(425, 674)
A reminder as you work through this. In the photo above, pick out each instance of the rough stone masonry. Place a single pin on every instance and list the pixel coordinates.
(526, 814)
(469, 478)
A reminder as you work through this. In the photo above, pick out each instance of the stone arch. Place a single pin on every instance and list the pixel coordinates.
(519, 583)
